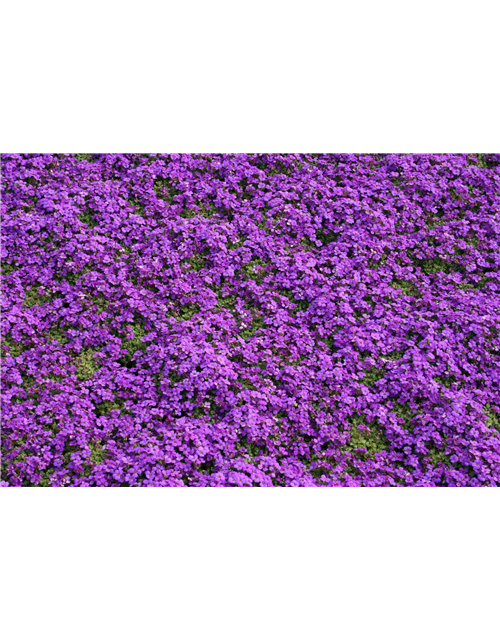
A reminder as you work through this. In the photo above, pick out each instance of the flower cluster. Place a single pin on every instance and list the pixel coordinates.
(250, 320)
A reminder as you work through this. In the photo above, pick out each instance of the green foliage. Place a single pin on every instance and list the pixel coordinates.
(434, 265)
(165, 189)
(235, 245)
(407, 287)
(226, 302)
(252, 448)
(263, 223)
(207, 467)
(198, 412)
(133, 345)
(366, 442)
(374, 374)
(446, 381)
(326, 237)
(103, 408)
(135, 202)
(300, 304)
(20, 444)
(493, 420)
(33, 298)
(394, 355)
(186, 311)
(437, 222)
(257, 323)
(88, 218)
(317, 472)
(125, 247)
(46, 476)
(97, 454)
(6, 269)
(174, 378)
(253, 272)
(197, 262)
(246, 384)
(86, 365)
(402, 410)
(486, 160)
(13, 349)
(280, 169)
(438, 457)
(72, 277)
(307, 242)
(57, 334)
(187, 213)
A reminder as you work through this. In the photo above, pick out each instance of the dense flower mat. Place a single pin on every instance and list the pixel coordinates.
(287, 320)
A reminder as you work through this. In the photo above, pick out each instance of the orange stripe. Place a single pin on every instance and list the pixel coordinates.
(264, 563)
(219, 577)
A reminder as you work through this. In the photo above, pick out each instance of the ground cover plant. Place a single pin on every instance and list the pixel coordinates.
(250, 320)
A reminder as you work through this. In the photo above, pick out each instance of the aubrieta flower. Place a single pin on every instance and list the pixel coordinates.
(250, 320)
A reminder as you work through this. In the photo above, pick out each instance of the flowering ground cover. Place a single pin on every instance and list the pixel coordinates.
(250, 320)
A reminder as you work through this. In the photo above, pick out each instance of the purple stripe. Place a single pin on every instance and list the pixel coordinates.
(279, 569)
(166, 598)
